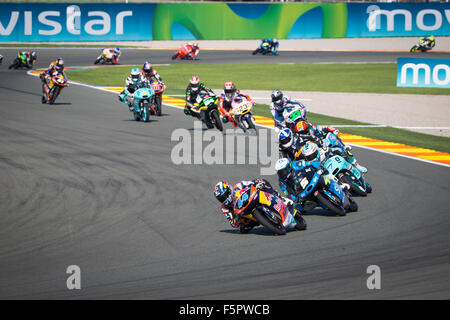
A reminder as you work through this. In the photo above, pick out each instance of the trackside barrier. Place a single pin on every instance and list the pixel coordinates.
(31, 22)
(423, 72)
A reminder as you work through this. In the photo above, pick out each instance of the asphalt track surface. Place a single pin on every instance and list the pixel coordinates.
(82, 184)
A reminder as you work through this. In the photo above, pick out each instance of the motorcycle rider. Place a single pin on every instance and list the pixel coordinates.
(289, 174)
(290, 145)
(428, 42)
(192, 90)
(280, 105)
(319, 133)
(274, 46)
(229, 93)
(149, 73)
(111, 53)
(133, 82)
(30, 58)
(224, 193)
(56, 66)
(193, 49)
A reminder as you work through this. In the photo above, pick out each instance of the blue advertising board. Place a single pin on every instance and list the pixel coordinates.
(35, 22)
(423, 73)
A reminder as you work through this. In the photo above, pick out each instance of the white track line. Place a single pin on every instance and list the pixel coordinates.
(272, 128)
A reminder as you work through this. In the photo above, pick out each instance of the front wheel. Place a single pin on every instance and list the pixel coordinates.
(216, 119)
(355, 185)
(251, 122)
(158, 105)
(413, 49)
(327, 203)
(53, 94)
(262, 219)
(174, 56)
(146, 113)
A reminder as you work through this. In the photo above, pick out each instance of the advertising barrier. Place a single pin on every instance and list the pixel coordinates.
(218, 21)
(423, 73)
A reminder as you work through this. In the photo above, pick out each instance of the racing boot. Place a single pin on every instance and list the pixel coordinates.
(130, 107)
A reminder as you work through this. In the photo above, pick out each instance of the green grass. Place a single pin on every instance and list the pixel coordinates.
(367, 78)
(370, 78)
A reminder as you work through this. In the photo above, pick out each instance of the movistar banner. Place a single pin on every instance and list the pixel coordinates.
(216, 21)
(423, 72)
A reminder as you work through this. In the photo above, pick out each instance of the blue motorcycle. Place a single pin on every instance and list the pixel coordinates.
(312, 186)
(347, 173)
(142, 103)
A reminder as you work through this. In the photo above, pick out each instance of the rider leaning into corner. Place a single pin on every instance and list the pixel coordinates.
(429, 41)
(229, 93)
(192, 90)
(281, 104)
(111, 53)
(224, 193)
(133, 82)
(149, 73)
(55, 67)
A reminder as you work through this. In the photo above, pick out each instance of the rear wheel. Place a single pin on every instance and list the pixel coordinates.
(216, 118)
(262, 219)
(330, 205)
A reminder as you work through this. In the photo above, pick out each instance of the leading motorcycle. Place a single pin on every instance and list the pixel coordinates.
(242, 113)
(21, 62)
(265, 208)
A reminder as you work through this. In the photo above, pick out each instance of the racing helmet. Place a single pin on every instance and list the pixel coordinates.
(195, 83)
(285, 138)
(277, 99)
(431, 38)
(222, 192)
(117, 49)
(195, 45)
(229, 88)
(147, 67)
(283, 168)
(310, 152)
(59, 64)
(33, 55)
(135, 74)
(302, 127)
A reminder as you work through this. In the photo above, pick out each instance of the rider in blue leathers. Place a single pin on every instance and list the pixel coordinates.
(280, 105)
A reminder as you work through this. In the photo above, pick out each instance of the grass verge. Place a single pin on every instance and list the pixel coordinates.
(379, 78)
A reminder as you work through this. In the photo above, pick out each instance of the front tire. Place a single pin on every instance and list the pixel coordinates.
(216, 119)
(262, 219)
(354, 186)
(327, 203)
(158, 105)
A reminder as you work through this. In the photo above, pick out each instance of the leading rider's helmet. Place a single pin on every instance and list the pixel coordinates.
(135, 74)
(147, 68)
(277, 99)
(285, 138)
(310, 152)
(195, 83)
(223, 192)
(283, 168)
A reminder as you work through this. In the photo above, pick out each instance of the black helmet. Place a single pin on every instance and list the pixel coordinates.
(222, 191)
(59, 64)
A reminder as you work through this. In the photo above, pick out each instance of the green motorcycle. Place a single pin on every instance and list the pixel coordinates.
(206, 109)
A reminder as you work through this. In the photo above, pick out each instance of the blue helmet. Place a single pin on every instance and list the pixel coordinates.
(285, 138)
(283, 168)
(117, 49)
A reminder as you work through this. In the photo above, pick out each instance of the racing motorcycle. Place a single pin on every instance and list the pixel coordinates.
(206, 109)
(158, 89)
(264, 49)
(422, 45)
(21, 62)
(104, 58)
(347, 173)
(54, 87)
(142, 97)
(185, 53)
(242, 113)
(315, 189)
(265, 208)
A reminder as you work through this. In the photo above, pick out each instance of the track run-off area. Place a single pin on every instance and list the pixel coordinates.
(83, 184)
